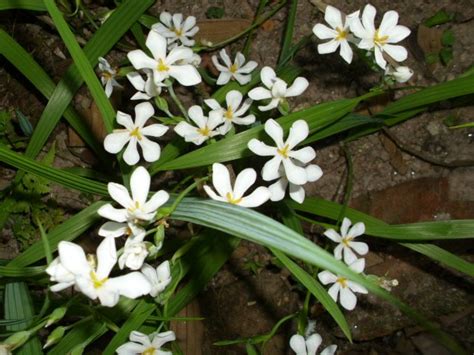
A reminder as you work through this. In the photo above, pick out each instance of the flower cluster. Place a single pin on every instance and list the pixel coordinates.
(342, 288)
(362, 32)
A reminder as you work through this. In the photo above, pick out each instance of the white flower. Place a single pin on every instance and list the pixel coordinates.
(61, 275)
(343, 287)
(400, 74)
(107, 76)
(237, 70)
(134, 253)
(135, 208)
(175, 29)
(283, 153)
(346, 241)
(277, 89)
(140, 344)
(159, 278)
(145, 89)
(234, 111)
(136, 132)
(205, 126)
(162, 65)
(380, 39)
(93, 280)
(243, 181)
(338, 34)
(195, 60)
(310, 345)
(297, 193)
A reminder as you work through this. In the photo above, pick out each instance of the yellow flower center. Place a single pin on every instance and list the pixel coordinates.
(342, 281)
(136, 133)
(178, 31)
(233, 68)
(149, 351)
(380, 40)
(135, 207)
(106, 75)
(162, 66)
(96, 281)
(346, 240)
(284, 151)
(204, 131)
(229, 114)
(341, 34)
(231, 199)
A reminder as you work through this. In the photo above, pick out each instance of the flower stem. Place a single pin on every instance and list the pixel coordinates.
(177, 101)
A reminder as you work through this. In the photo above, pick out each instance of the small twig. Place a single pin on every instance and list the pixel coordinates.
(349, 183)
(420, 155)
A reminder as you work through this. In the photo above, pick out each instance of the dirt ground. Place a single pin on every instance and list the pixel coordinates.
(433, 182)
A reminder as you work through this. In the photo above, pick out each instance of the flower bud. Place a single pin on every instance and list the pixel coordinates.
(16, 340)
(55, 336)
(162, 104)
(56, 316)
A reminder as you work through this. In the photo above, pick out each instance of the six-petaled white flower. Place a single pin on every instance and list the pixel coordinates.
(338, 34)
(296, 192)
(145, 89)
(141, 344)
(163, 65)
(205, 126)
(343, 288)
(136, 132)
(159, 278)
(346, 241)
(276, 90)
(136, 208)
(134, 253)
(237, 70)
(92, 277)
(310, 345)
(401, 74)
(380, 39)
(284, 152)
(235, 195)
(232, 114)
(175, 29)
(107, 76)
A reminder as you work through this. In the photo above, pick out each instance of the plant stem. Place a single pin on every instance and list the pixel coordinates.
(178, 102)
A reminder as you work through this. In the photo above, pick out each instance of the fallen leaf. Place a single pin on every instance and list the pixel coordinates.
(216, 31)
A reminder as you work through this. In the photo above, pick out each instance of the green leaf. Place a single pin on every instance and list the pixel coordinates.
(25, 63)
(288, 36)
(448, 38)
(255, 227)
(83, 65)
(444, 91)
(446, 55)
(68, 230)
(18, 305)
(57, 175)
(457, 229)
(439, 18)
(235, 147)
(13, 271)
(33, 5)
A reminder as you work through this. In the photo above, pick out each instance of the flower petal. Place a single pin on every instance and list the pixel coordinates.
(213, 104)
(338, 251)
(267, 76)
(233, 99)
(154, 130)
(295, 174)
(357, 229)
(143, 112)
(186, 75)
(298, 87)
(347, 299)
(210, 192)
(327, 277)
(278, 189)
(398, 34)
(73, 258)
(136, 80)
(313, 341)
(368, 18)
(131, 285)
(242, 79)
(125, 120)
(140, 338)
(313, 172)
(260, 93)
(114, 142)
(162, 338)
(360, 247)
(114, 214)
(131, 156)
(333, 16)
(106, 257)
(120, 194)
(298, 344)
(379, 59)
(330, 350)
(334, 291)
(398, 53)
(346, 51)
(157, 45)
(243, 181)
(258, 197)
(156, 201)
(274, 130)
(151, 150)
(139, 185)
(247, 68)
(333, 235)
(324, 32)
(297, 193)
(346, 223)
(179, 53)
(355, 287)
(260, 148)
(298, 133)
(270, 170)
(328, 47)
(113, 229)
(349, 256)
(389, 21)
(221, 179)
(225, 58)
(224, 78)
(140, 60)
(358, 265)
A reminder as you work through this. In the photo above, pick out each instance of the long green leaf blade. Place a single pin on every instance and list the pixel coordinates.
(32, 5)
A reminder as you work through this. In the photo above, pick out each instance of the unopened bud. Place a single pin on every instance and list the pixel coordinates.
(56, 316)
(18, 339)
(162, 104)
(55, 336)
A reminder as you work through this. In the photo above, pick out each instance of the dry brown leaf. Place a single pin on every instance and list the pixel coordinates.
(189, 334)
(216, 31)
(429, 39)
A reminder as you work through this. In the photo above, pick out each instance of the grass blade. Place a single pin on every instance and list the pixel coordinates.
(32, 5)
